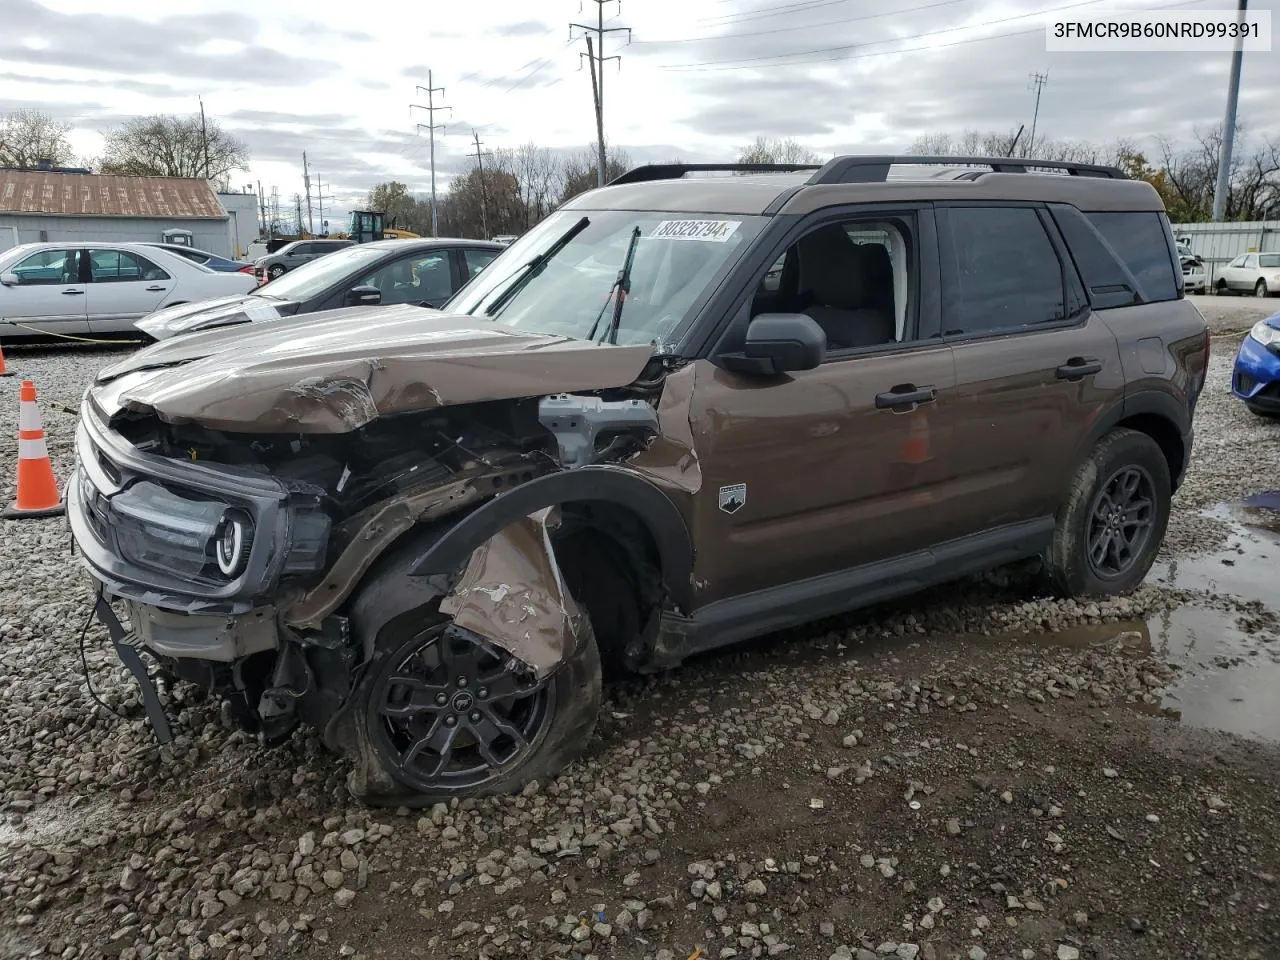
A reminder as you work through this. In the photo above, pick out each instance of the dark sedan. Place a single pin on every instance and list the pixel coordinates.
(422, 272)
(204, 257)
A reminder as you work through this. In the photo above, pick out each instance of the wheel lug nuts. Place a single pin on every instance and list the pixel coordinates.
(462, 681)
(450, 720)
(475, 716)
(482, 692)
(441, 699)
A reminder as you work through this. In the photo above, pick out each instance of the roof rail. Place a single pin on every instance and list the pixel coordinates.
(674, 171)
(875, 169)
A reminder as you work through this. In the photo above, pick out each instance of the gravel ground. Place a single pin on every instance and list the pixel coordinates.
(937, 779)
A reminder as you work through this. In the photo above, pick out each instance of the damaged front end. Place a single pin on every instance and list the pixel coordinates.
(261, 565)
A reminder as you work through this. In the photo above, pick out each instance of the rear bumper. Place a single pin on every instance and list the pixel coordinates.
(1255, 377)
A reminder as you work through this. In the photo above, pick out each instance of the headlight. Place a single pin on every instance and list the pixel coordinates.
(232, 543)
(1264, 333)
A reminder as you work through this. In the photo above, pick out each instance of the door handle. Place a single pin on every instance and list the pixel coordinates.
(156, 289)
(1078, 367)
(73, 293)
(906, 395)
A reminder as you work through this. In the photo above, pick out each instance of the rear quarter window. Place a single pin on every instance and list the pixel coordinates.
(1141, 241)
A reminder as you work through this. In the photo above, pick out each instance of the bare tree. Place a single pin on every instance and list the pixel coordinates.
(29, 136)
(172, 146)
(777, 150)
(540, 179)
(578, 172)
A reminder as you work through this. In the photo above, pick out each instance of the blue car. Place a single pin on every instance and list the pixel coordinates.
(205, 258)
(1256, 377)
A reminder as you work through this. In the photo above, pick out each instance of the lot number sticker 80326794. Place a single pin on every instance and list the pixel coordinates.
(713, 231)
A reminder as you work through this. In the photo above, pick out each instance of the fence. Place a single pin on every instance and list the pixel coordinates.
(1220, 243)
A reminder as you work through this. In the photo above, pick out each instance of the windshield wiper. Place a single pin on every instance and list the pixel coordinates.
(618, 293)
(534, 267)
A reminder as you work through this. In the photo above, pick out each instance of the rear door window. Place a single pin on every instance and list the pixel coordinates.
(1003, 271)
(1139, 240)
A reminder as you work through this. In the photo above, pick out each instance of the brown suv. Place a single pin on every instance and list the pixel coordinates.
(679, 412)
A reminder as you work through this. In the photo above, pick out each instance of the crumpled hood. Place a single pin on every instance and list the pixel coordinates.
(335, 371)
(222, 311)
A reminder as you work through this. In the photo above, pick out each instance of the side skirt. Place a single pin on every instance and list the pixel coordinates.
(792, 604)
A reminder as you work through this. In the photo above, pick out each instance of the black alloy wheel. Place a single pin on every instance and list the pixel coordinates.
(451, 711)
(1121, 520)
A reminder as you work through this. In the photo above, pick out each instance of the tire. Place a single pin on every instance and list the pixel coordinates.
(1260, 289)
(1220, 289)
(557, 721)
(1264, 414)
(274, 271)
(1119, 457)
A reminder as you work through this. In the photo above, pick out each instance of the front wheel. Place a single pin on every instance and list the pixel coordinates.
(1111, 526)
(274, 271)
(1260, 289)
(443, 713)
(1264, 414)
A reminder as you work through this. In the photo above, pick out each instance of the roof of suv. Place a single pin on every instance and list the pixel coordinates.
(799, 189)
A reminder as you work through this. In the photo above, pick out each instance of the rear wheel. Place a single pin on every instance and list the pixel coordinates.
(1260, 289)
(443, 713)
(1111, 526)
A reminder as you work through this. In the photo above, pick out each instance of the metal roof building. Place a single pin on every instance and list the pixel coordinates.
(55, 205)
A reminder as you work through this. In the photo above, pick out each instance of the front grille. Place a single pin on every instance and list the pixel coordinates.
(1245, 383)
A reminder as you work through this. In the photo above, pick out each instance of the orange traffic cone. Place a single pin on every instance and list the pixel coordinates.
(3, 371)
(37, 489)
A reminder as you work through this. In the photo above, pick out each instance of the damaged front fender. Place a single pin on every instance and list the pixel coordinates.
(513, 594)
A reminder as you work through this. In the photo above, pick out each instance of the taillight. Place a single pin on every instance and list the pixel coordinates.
(248, 268)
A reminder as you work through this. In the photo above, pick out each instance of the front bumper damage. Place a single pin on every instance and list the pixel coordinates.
(280, 652)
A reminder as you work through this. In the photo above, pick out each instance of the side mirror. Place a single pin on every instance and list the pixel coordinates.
(364, 296)
(779, 343)
(10, 279)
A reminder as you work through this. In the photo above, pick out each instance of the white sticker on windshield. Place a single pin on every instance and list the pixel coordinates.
(715, 231)
(261, 311)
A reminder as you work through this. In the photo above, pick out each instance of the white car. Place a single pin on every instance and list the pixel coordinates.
(1195, 278)
(84, 289)
(1256, 273)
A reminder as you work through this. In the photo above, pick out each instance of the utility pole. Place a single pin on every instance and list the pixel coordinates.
(596, 60)
(431, 127)
(1223, 185)
(484, 192)
(204, 139)
(262, 207)
(1038, 80)
(306, 181)
(320, 199)
(297, 206)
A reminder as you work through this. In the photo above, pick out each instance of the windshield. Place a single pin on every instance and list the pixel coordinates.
(678, 258)
(1269, 260)
(317, 276)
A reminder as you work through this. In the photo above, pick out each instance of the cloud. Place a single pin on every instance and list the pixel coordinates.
(524, 28)
(164, 47)
(322, 31)
(119, 83)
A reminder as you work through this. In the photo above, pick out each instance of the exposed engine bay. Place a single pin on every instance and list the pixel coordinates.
(296, 656)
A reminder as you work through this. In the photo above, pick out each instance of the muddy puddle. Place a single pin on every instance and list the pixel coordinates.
(1230, 658)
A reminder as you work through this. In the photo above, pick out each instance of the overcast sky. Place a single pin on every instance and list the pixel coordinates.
(699, 79)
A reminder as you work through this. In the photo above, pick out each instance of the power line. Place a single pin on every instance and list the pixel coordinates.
(855, 46)
(431, 127)
(596, 60)
(845, 52)
(804, 26)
